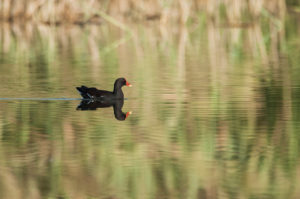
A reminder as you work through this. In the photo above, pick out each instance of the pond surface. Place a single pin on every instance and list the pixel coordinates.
(215, 112)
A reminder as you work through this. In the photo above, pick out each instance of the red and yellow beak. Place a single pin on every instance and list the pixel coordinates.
(127, 114)
(128, 84)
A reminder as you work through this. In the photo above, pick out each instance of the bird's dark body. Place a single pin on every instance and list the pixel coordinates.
(94, 93)
(94, 98)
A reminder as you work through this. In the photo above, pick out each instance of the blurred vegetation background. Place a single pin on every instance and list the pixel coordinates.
(215, 103)
(90, 11)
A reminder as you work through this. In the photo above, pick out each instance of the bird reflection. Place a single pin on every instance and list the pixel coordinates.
(117, 104)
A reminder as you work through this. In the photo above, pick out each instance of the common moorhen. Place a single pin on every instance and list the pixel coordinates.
(95, 94)
(94, 98)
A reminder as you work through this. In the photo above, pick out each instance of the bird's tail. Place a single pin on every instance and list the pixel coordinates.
(83, 90)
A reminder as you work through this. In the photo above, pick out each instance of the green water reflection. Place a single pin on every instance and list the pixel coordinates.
(216, 112)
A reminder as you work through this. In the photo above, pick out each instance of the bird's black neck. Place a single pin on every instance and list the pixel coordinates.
(118, 92)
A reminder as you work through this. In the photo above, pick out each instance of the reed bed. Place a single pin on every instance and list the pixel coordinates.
(181, 152)
(89, 11)
(199, 148)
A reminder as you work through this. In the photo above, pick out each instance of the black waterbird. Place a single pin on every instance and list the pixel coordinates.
(94, 98)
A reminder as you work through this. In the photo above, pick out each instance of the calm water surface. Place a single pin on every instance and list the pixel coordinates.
(216, 112)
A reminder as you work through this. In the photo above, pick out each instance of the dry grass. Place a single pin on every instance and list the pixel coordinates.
(87, 11)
